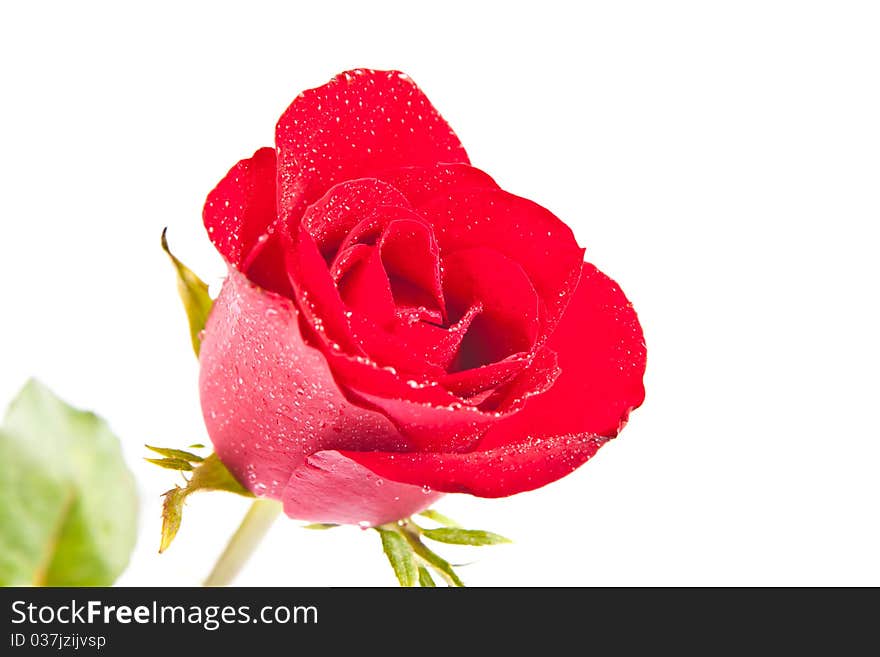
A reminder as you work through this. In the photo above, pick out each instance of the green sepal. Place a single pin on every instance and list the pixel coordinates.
(172, 514)
(460, 536)
(208, 475)
(443, 567)
(193, 292)
(425, 579)
(320, 525)
(400, 556)
(176, 454)
(439, 518)
(172, 464)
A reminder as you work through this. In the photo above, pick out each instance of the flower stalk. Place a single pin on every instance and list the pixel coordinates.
(244, 541)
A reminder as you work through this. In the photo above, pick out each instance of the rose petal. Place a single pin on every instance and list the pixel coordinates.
(348, 258)
(327, 221)
(468, 383)
(412, 261)
(498, 472)
(265, 264)
(329, 487)
(401, 352)
(601, 353)
(439, 345)
(242, 206)
(535, 379)
(360, 123)
(316, 294)
(331, 218)
(509, 321)
(364, 287)
(423, 184)
(431, 417)
(417, 350)
(269, 400)
(413, 348)
(521, 230)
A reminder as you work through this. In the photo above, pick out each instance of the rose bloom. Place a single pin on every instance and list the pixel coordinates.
(394, 325)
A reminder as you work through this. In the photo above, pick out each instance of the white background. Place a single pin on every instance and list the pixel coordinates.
(720, 160)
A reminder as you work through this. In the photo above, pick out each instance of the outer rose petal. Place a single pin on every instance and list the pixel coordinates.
(601, 352)
(360, 123)
(422, 184)
(270, 402)
(242, 206)
(494, 473)
(332, 488)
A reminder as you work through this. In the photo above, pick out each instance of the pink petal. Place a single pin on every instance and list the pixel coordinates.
(360, 123)
(329, 487)
(270, 402)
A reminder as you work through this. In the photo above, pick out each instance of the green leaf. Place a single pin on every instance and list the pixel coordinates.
(464, 536)
(321, 525)
(197, 446)
(194, 294)
(176, 454)
(400, 555)
(425, 579)
(68, 503)
(439, 518)
(172, 464)
(210, 474)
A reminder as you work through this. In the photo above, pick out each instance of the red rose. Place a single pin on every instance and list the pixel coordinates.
(394, 325)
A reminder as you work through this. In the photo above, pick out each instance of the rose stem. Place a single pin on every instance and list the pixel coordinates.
(244, 541)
